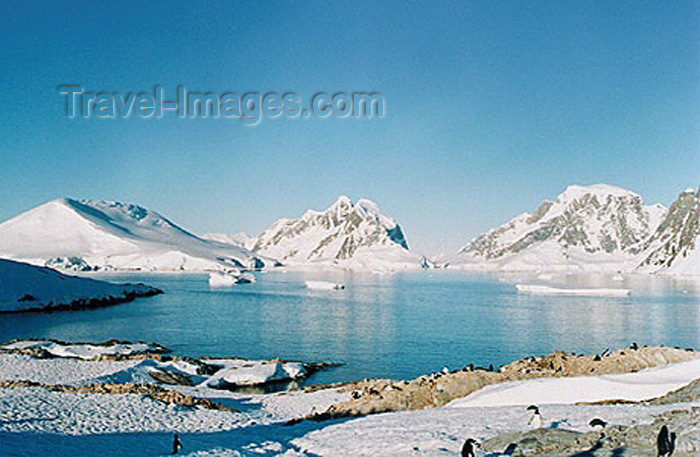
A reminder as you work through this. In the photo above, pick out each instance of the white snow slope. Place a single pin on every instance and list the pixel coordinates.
(639, 386)
(96, 234)
(28, 287)
(586, 228)
(349, 235)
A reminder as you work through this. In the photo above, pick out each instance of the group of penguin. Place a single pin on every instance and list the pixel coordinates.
(665, 441)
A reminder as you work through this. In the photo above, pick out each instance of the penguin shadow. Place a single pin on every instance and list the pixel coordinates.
(617, 452)
(559, 424)
(510, 450)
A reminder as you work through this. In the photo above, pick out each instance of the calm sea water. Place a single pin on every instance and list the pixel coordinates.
(398, 326)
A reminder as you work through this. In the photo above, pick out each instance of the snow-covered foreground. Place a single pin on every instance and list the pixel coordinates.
(442, 431)
(40, 421)
(91, 424)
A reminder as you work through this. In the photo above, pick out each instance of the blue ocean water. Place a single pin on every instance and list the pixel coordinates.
(398, 326)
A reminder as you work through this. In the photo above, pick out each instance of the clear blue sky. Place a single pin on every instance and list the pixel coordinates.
(491, 107)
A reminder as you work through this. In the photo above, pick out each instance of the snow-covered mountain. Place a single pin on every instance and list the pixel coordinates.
(675, 245)
(97, 234)
(597, 227)
(349, 235)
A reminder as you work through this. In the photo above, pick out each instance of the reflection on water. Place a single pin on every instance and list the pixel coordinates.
(397, 326)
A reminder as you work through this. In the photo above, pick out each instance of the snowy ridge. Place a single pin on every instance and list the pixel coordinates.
(98, 234)
(597, 227)
(350, 235)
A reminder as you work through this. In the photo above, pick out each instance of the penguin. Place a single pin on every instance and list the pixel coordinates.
(536, 419)
(469, 448)
(665, 443)
(177, 444)
(597, 423)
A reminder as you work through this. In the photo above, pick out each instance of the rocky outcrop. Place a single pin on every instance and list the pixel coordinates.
(155, 392)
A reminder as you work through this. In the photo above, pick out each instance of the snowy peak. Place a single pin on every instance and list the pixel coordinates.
(576, 191)
(341, 234)
(100, 234)
(674, 245)
(584, 223)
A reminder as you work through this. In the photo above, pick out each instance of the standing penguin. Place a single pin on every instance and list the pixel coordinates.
(597, 423)
(665, 443)
(536, 419)
(177, 444)
(469, 448)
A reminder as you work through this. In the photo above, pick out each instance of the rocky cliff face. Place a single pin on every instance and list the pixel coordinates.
(674, 245)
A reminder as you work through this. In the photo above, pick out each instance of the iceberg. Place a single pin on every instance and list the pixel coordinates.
(534, 289)
(323, 285)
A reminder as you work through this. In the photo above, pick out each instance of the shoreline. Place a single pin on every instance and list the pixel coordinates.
(97, 392)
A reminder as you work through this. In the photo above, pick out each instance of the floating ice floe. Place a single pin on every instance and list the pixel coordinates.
(323, 285)
(229, 279)
(222, 280)
(534, 289)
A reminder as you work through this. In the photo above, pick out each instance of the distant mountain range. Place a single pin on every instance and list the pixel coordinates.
(586, 228)
(591, 228)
